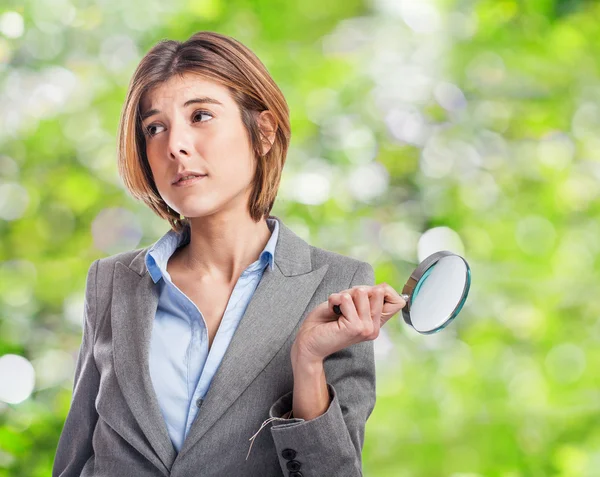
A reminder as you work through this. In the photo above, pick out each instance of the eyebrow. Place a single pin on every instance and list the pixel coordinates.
(204, 100)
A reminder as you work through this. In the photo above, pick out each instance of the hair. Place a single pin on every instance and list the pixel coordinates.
(228, 62)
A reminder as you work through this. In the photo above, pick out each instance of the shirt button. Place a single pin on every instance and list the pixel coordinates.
(199, 402)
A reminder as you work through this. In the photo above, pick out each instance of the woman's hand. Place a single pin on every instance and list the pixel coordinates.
(364, 312)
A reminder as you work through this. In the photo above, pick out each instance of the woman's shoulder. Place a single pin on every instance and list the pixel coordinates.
(103, 268)
(126, 258)
(298, 251)
(338, 263)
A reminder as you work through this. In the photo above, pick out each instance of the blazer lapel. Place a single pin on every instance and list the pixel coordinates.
(134, 304)
(272, 314)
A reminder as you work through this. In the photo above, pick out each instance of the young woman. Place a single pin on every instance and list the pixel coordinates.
(226, 323)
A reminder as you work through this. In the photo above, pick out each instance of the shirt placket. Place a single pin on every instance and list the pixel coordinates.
(199, 336)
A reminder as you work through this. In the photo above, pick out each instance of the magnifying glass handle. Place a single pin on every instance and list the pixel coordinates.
(337, 311)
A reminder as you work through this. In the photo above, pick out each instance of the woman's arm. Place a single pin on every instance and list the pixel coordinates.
(330, 443)
(311, 397)
(75, 444)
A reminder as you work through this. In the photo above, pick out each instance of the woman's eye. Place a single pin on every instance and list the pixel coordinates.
(149, 129)
(198, 114)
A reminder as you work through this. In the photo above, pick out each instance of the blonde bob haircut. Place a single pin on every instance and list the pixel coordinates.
(224, 60)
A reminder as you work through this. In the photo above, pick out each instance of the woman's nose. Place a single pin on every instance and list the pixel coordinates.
(179, 152)
(179, 142)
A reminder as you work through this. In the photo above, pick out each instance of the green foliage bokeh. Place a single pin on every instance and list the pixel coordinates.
(476, 120)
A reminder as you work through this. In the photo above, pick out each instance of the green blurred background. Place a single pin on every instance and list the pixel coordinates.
(471, 126)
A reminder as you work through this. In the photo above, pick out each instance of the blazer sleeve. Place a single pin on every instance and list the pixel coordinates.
(75, 443)
(331, 444)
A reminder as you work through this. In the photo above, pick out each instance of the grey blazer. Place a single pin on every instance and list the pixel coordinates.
(115, 428)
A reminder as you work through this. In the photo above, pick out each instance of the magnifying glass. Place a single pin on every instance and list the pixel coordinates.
(435, 293)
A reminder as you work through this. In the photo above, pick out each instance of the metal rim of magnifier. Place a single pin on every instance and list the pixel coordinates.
(419, 272)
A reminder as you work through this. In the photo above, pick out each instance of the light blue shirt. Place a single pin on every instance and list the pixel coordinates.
(181, 366)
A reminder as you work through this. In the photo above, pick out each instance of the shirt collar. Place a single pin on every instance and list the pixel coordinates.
(158, 255)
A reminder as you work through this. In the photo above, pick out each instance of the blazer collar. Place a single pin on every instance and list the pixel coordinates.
(292, 253)
(281, 297)
(158, 254)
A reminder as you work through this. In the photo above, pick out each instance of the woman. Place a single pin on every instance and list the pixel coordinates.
(227, 321)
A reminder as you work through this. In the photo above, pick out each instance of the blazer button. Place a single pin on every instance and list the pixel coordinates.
(288, 454)
(295, 474)
(199, 402)
(293, 465)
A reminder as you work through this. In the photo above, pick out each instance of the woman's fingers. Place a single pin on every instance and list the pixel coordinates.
(391, 301)
(391, 295)
(354, 305)
(361, 306)
(362, 303)
(345, 303)
(377, 295)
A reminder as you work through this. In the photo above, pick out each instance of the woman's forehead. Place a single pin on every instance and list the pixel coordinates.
(184, 88)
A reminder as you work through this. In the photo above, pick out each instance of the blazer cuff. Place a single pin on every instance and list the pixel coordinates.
(319, 446)
(282, 408)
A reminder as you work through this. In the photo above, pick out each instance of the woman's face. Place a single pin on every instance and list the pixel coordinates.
(193, 124)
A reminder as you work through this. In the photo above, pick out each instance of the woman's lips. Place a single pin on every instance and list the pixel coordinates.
(189, 182)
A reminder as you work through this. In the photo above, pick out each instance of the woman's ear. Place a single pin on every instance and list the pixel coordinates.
(268, 128)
